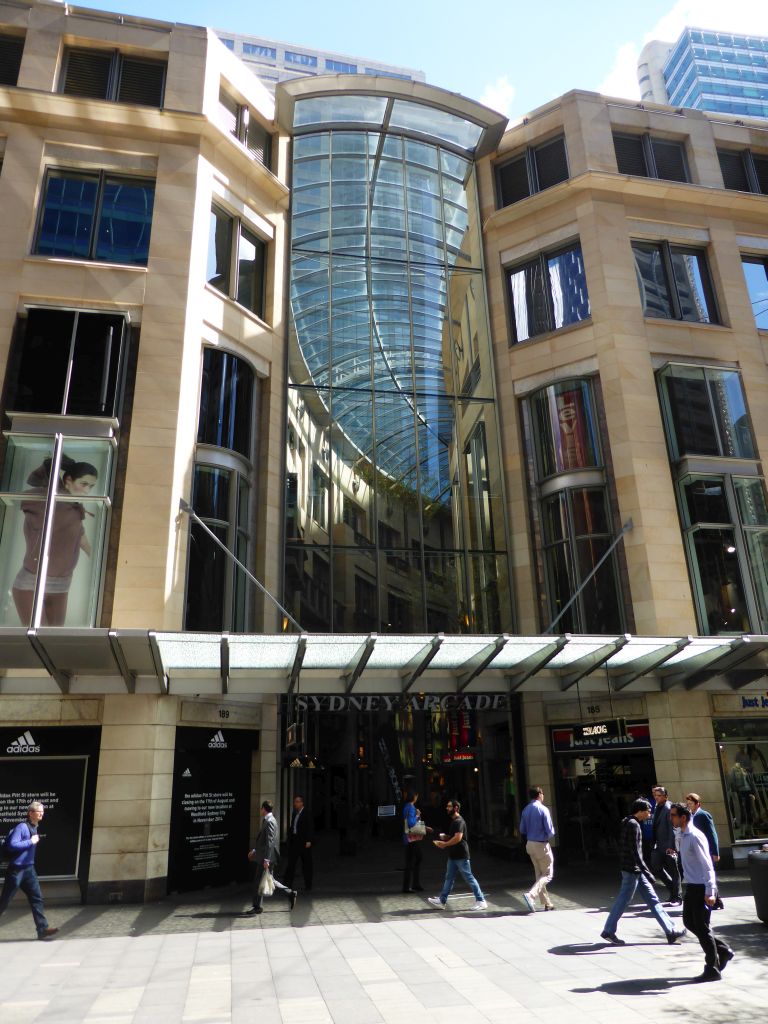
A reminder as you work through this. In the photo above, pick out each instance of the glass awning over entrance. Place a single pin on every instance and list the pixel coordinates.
(105, 661)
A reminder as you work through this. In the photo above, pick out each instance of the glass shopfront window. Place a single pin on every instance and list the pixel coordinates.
(565, 428)
(66, 568)
(742, 748)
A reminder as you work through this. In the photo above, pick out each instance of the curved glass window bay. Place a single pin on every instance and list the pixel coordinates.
(218, 591)
(705, 412)
(393, 496)
(573, 519)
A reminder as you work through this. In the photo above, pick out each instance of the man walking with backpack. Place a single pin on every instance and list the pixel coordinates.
(20, 848)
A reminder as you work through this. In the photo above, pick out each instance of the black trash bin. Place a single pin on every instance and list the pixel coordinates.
(758, 875)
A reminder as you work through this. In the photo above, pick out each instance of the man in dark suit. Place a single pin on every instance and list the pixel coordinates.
(664, 857)
(265, 854)
(300, 836)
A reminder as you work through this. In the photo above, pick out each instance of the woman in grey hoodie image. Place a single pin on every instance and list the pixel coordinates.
(68, 539)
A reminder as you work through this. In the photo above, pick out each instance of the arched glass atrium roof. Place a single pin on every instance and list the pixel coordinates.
(384, 104)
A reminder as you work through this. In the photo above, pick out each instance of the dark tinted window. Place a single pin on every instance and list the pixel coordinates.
(513, 182)
(629, 155)
(108, 75)
(537, 169)
(11, 49)
(551, 163)
(670, 160)
(734, 171)
(67, 363)
(226, 402)
(69, 210)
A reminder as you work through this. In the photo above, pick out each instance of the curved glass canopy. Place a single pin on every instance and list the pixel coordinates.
(394, 476)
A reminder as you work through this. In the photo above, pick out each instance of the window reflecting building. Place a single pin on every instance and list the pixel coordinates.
(394, 497)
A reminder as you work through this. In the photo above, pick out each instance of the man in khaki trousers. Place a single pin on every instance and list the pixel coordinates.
(536, 831)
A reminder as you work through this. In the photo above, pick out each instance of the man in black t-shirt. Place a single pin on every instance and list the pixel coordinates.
(458, 859)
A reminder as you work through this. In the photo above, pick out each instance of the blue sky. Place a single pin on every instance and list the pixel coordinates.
(513, 56)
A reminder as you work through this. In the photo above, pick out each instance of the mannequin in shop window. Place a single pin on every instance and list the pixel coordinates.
(68, 539)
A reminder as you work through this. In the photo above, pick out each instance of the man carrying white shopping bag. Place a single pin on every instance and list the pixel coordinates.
(266, 853)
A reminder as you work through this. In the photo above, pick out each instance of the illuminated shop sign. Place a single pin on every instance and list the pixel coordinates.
(613, 734)
(403, 702)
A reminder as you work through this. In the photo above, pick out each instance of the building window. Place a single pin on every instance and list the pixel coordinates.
(538, 168)
(647, 157)
(756, 275)
(218, 591)
(674, 282)
(236, 261)
(83, 356)
(11, 50)
(705, 412)
(257, 50)
(742, 747)
(238, 120)
(548, 292)
(229, 43)
(318, 499)
(226, 402)
(97, 216)
(340, 67)
(724, 515)
(744, 171)
(111, 75)
(573, 515)
(305, 59)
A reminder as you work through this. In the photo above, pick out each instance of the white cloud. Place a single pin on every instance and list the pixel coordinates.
(499, 95)
(621, 80)
(746, 16)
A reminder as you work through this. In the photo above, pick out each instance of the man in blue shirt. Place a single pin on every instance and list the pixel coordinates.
(21, 874)
(536, 831)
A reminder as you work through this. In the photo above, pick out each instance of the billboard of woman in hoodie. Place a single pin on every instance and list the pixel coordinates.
(68, 538)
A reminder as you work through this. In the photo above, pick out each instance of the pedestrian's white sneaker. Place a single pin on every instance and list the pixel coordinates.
(437, 902)
(479, 905)
(529, 903)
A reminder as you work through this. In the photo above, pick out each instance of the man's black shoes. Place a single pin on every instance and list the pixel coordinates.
(674, 903)
(710, 974)
(254, 910)
(293, 897)
(724, 958)
(672, 937)
(613, 938)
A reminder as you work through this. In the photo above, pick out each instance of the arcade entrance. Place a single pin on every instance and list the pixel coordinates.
(356, 758)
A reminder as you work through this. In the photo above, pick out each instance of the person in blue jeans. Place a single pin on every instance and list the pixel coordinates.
(455, 842)
(635, 874)
(21, 873)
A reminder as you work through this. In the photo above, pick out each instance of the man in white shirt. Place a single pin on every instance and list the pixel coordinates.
(700, 891)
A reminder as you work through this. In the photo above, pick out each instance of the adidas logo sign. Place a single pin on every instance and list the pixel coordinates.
(186, 774)
(25, 744)
(217, 741)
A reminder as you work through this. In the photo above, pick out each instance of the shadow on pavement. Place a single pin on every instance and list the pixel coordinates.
(636, 986)
(580, 948)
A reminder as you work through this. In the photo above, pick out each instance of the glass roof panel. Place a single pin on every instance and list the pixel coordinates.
(334, 109)
(395, 652)
(579, 647)
(334, 651)
(518, 648)
(699, 646)
(181, 651)
(456, 650)
(262, 652)
(640, 647)
(437, 123)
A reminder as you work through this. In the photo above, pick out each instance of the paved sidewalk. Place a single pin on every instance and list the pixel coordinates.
(371, 960)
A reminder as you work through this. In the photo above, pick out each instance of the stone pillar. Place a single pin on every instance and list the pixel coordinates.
(131, 827)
